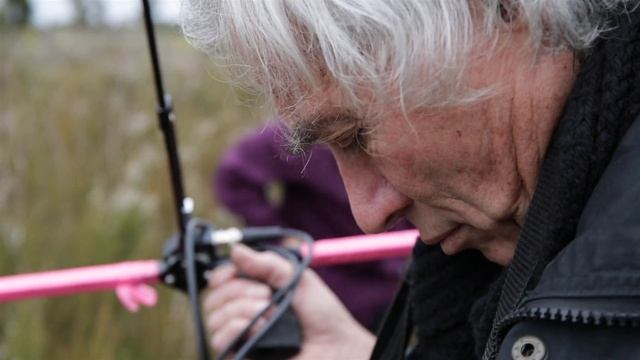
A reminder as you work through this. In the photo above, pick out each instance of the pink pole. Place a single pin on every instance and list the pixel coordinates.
(362, 248)
(78, 280)
(127, 275)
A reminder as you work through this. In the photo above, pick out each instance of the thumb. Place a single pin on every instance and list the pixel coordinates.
(263, 266)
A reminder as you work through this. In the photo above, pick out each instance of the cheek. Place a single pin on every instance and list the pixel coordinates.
(407, 169)
(436, 169)
(437, 157)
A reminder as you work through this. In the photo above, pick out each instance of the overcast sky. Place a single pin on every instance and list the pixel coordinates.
(116, 12)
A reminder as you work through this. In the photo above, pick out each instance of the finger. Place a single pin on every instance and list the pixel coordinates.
(263, 266)
(235, 289)
(243, 308)
(224, 336)
(221, 274)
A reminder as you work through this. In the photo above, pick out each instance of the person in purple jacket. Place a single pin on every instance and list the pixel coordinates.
(313, 199)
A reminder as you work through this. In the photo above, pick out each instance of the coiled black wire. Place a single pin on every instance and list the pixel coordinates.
(282, 298)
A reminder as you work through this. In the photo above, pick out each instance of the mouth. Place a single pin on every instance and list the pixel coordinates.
(440, 238)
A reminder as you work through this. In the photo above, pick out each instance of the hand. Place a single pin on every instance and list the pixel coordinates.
(329, 331)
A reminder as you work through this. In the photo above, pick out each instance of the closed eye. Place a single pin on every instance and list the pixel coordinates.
(342, 131)
(353, 140)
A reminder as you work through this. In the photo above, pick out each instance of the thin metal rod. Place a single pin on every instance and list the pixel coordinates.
(155, 60)
(166, 119)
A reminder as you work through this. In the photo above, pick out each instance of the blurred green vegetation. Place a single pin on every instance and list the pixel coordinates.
(84, 180)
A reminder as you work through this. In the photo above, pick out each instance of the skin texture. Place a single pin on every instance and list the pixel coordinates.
(463, 176)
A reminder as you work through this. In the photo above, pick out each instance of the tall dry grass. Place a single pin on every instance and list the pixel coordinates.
(83, 180)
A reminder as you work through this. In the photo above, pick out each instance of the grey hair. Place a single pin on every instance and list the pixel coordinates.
(407, 53)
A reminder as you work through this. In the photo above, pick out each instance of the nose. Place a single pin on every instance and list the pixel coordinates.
(374, 202)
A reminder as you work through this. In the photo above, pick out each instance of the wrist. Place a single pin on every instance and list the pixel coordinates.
(360, 344)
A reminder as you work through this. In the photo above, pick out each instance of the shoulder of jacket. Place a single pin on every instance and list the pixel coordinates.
(604, 257)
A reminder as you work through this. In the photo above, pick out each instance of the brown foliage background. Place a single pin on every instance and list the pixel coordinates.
(83, 180)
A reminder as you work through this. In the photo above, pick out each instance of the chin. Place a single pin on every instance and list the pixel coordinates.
(501, 255)
(499, 245)
(455, 242)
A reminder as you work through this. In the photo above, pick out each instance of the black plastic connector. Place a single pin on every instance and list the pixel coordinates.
(173, 272)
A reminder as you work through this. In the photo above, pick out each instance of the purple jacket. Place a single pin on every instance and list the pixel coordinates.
(313, 200)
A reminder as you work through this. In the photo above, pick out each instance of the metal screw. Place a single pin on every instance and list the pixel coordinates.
(188, 205)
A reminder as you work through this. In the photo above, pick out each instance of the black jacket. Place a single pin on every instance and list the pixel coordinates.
(581, 241)
(586, 304)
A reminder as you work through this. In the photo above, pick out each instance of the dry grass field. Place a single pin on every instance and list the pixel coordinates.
(83, 180)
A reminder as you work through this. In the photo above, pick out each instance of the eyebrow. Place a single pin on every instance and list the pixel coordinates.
(327, 128)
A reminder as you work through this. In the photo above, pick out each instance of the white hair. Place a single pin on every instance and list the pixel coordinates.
(410, 53)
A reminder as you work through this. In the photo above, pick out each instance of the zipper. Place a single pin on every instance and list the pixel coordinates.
(621, 312)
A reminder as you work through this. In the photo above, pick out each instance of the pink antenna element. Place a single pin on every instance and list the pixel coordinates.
(361, 248)
(131, 279)
(82, 279)
(131, 296)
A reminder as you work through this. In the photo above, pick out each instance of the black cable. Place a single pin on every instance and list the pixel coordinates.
(186, 227)
(288, 290)
(282, 305)
(275, 299)
(192, 288)
(186, 242)
(282, 297)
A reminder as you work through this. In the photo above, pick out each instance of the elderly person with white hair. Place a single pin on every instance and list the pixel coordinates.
(502, 129)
